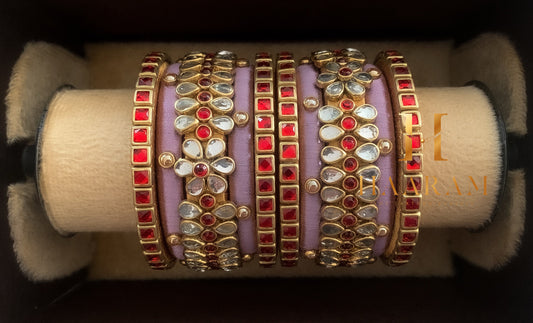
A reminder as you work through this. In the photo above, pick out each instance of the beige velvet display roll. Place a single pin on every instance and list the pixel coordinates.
(86, 180)
(85, 175)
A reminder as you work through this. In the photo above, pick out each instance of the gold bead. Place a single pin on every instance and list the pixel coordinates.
(241, 118)
(183, 262)
(243, 212)
(305, 60)
(170, 79)
(374, 72)
(312, 186)
(166, 160)
(385, 146)
(383, 230)
(310, 254)
(311, 103)
(242, 62)
(174, 240)
(247, 257)
(372, 260)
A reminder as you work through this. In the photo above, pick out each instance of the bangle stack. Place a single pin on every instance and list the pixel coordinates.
(309, 157)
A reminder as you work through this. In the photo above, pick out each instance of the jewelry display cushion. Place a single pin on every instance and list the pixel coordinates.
(42, 68)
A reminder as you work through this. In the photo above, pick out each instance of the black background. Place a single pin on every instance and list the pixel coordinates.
(472, 295)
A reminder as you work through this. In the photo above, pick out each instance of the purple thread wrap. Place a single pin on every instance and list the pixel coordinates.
(310, 163)
(169, 185)
(240, 148)
(378, 96)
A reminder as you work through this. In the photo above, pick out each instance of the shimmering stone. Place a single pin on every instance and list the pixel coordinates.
(222, 88)
(363, 77)
(183, 167)
(331, 229)
(195, 186)
(370, 194)
(188, 75)
(186, 88)
(229, 253)
(331, 194)
(354, 66)
(225, 54)
(329, 262)
(185, 105)
(184, 123)
(367, 212)
(332, 67)
(188, 65)
(329, 243)
(222, 104)
(353, 52)
(335, 89)
(226, 211)
(331, 175)
(190, 228)
(188, 210)
(215, 148)
(332, 213)
(368, 132)
(193, 255)
(365, 253)
(329, 114)
(226, 228)
(223, 123)
(326, 78)
(330, 133)
(368, 172)
(367, 152)
(228, 242)
(366, 229)
(355, 88)
(331, 154)
(192, 148)
(330, 253)
(192, 244)
(366, 242)
(224, 165)
(224, 76)
(366, 112)
(216, 184)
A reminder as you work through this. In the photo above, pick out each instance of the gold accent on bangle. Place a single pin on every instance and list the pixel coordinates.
(247, 257)
(265, 166)
(242, 62)
(348, 225)
(289, 162)
(166, 159)
(241, 119)
(174, 240)
(311, 103)
(405, 230)
(208, 220)
(310, 254)
(143, 171)
(304, 60)
(312, 186)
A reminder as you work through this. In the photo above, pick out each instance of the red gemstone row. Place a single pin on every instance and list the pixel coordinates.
(288, 160)
(265, 169)
(148, 225)
(412, 183)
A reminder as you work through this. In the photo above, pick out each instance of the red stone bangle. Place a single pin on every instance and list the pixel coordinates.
(409, 152)
(265, 161)
(289, 162)
(144, 191)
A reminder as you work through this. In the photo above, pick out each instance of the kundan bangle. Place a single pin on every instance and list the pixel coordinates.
(265, 161)
(208, 219)
(349, 193)
(289, 162)
(144, 195)
(409, 152)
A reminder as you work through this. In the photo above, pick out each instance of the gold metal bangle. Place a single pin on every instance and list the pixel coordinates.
(265, 161)
(405, 230)
(349, 193)
(144, 188)
(289, 161)
(208, 220)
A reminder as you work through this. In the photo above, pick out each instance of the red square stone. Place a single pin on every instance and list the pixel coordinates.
(289, 194)
(142, 96)
(405, 249)
(143, 197)
(289, 151)
(286, 77)
(288, 173)
(266, 250)
(145, 81)
(287, 65)
(141, 177)
(289, 231)
(412, 203)
(264, 104)
(150, 247)
(144, 216)
(264, 122)
(410, 221)
(415, 163)
(148, 69)
(264, 74)
(417, 181)
(265, 222)
(266, 204)
(265, 164)
(263, 64)
(288, 109)
(404, 84)
(140, 135)
(409, 237)
(289, 245)
(401, 70)
(263, 88)
(140, 155)
(147, 233)
(265, 185)
(266, 238)
(288, 129)
(264, 143)
(141, 114)
(408, 100)
(287, 91)
(289, 214)
(416, 141)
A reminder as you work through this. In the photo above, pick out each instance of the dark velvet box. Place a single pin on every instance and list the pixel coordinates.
(472, 295)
